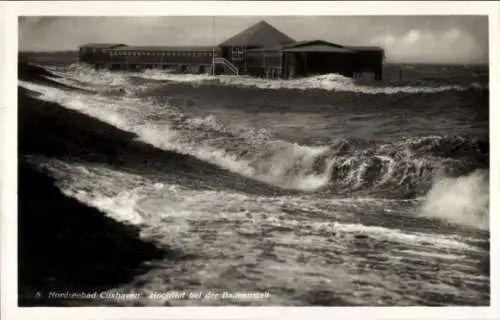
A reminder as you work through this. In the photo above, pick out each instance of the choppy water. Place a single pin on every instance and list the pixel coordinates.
(364, 194)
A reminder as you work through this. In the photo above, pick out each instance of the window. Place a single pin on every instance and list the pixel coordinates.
(238, 53)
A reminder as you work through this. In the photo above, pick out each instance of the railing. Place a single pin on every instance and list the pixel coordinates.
(226, 63)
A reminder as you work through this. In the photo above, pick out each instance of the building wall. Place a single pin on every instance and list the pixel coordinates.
(300, 64)
(189, 60)
(369, 61)
(270, 59)
(259, 63)
(89, 55)
(237, 55)
(172, 57)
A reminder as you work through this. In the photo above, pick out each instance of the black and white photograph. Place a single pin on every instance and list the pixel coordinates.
(253, 160)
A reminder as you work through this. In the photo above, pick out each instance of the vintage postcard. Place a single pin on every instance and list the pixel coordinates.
(171, 155)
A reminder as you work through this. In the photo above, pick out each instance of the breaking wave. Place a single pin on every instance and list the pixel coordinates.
(462, 200)
(328, 82)
(405, 167)
(279, 190)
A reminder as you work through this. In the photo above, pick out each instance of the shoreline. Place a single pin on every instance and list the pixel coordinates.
(64, 244)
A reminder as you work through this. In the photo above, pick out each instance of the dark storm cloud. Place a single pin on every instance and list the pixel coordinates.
(454, 39)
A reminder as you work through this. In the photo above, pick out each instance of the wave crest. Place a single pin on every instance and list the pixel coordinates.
(407, 165)
(463, 200)
(328, 82)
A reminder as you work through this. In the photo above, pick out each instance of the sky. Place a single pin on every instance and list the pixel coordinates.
(417, 39)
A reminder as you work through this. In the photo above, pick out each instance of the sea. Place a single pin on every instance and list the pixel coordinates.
(328, 190)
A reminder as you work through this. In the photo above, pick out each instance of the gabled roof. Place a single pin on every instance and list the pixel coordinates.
(306, 43)
(102, 45)
(307, 46)
(365, 48)
(319, 48)
(261, 34)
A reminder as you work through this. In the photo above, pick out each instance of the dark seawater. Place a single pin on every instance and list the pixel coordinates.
(331, 191)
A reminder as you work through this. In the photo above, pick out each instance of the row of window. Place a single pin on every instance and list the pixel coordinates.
(162, 54)
(237, 54)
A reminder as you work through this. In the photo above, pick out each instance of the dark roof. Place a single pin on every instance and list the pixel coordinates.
(163, 48)
(299, 44)
(261, 34)
(316, 46)
(319, 48)
(266, 49)
(102, 45)
(365, 48)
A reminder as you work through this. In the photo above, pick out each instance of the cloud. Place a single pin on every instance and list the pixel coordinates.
(451, 45)
(456, 39)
